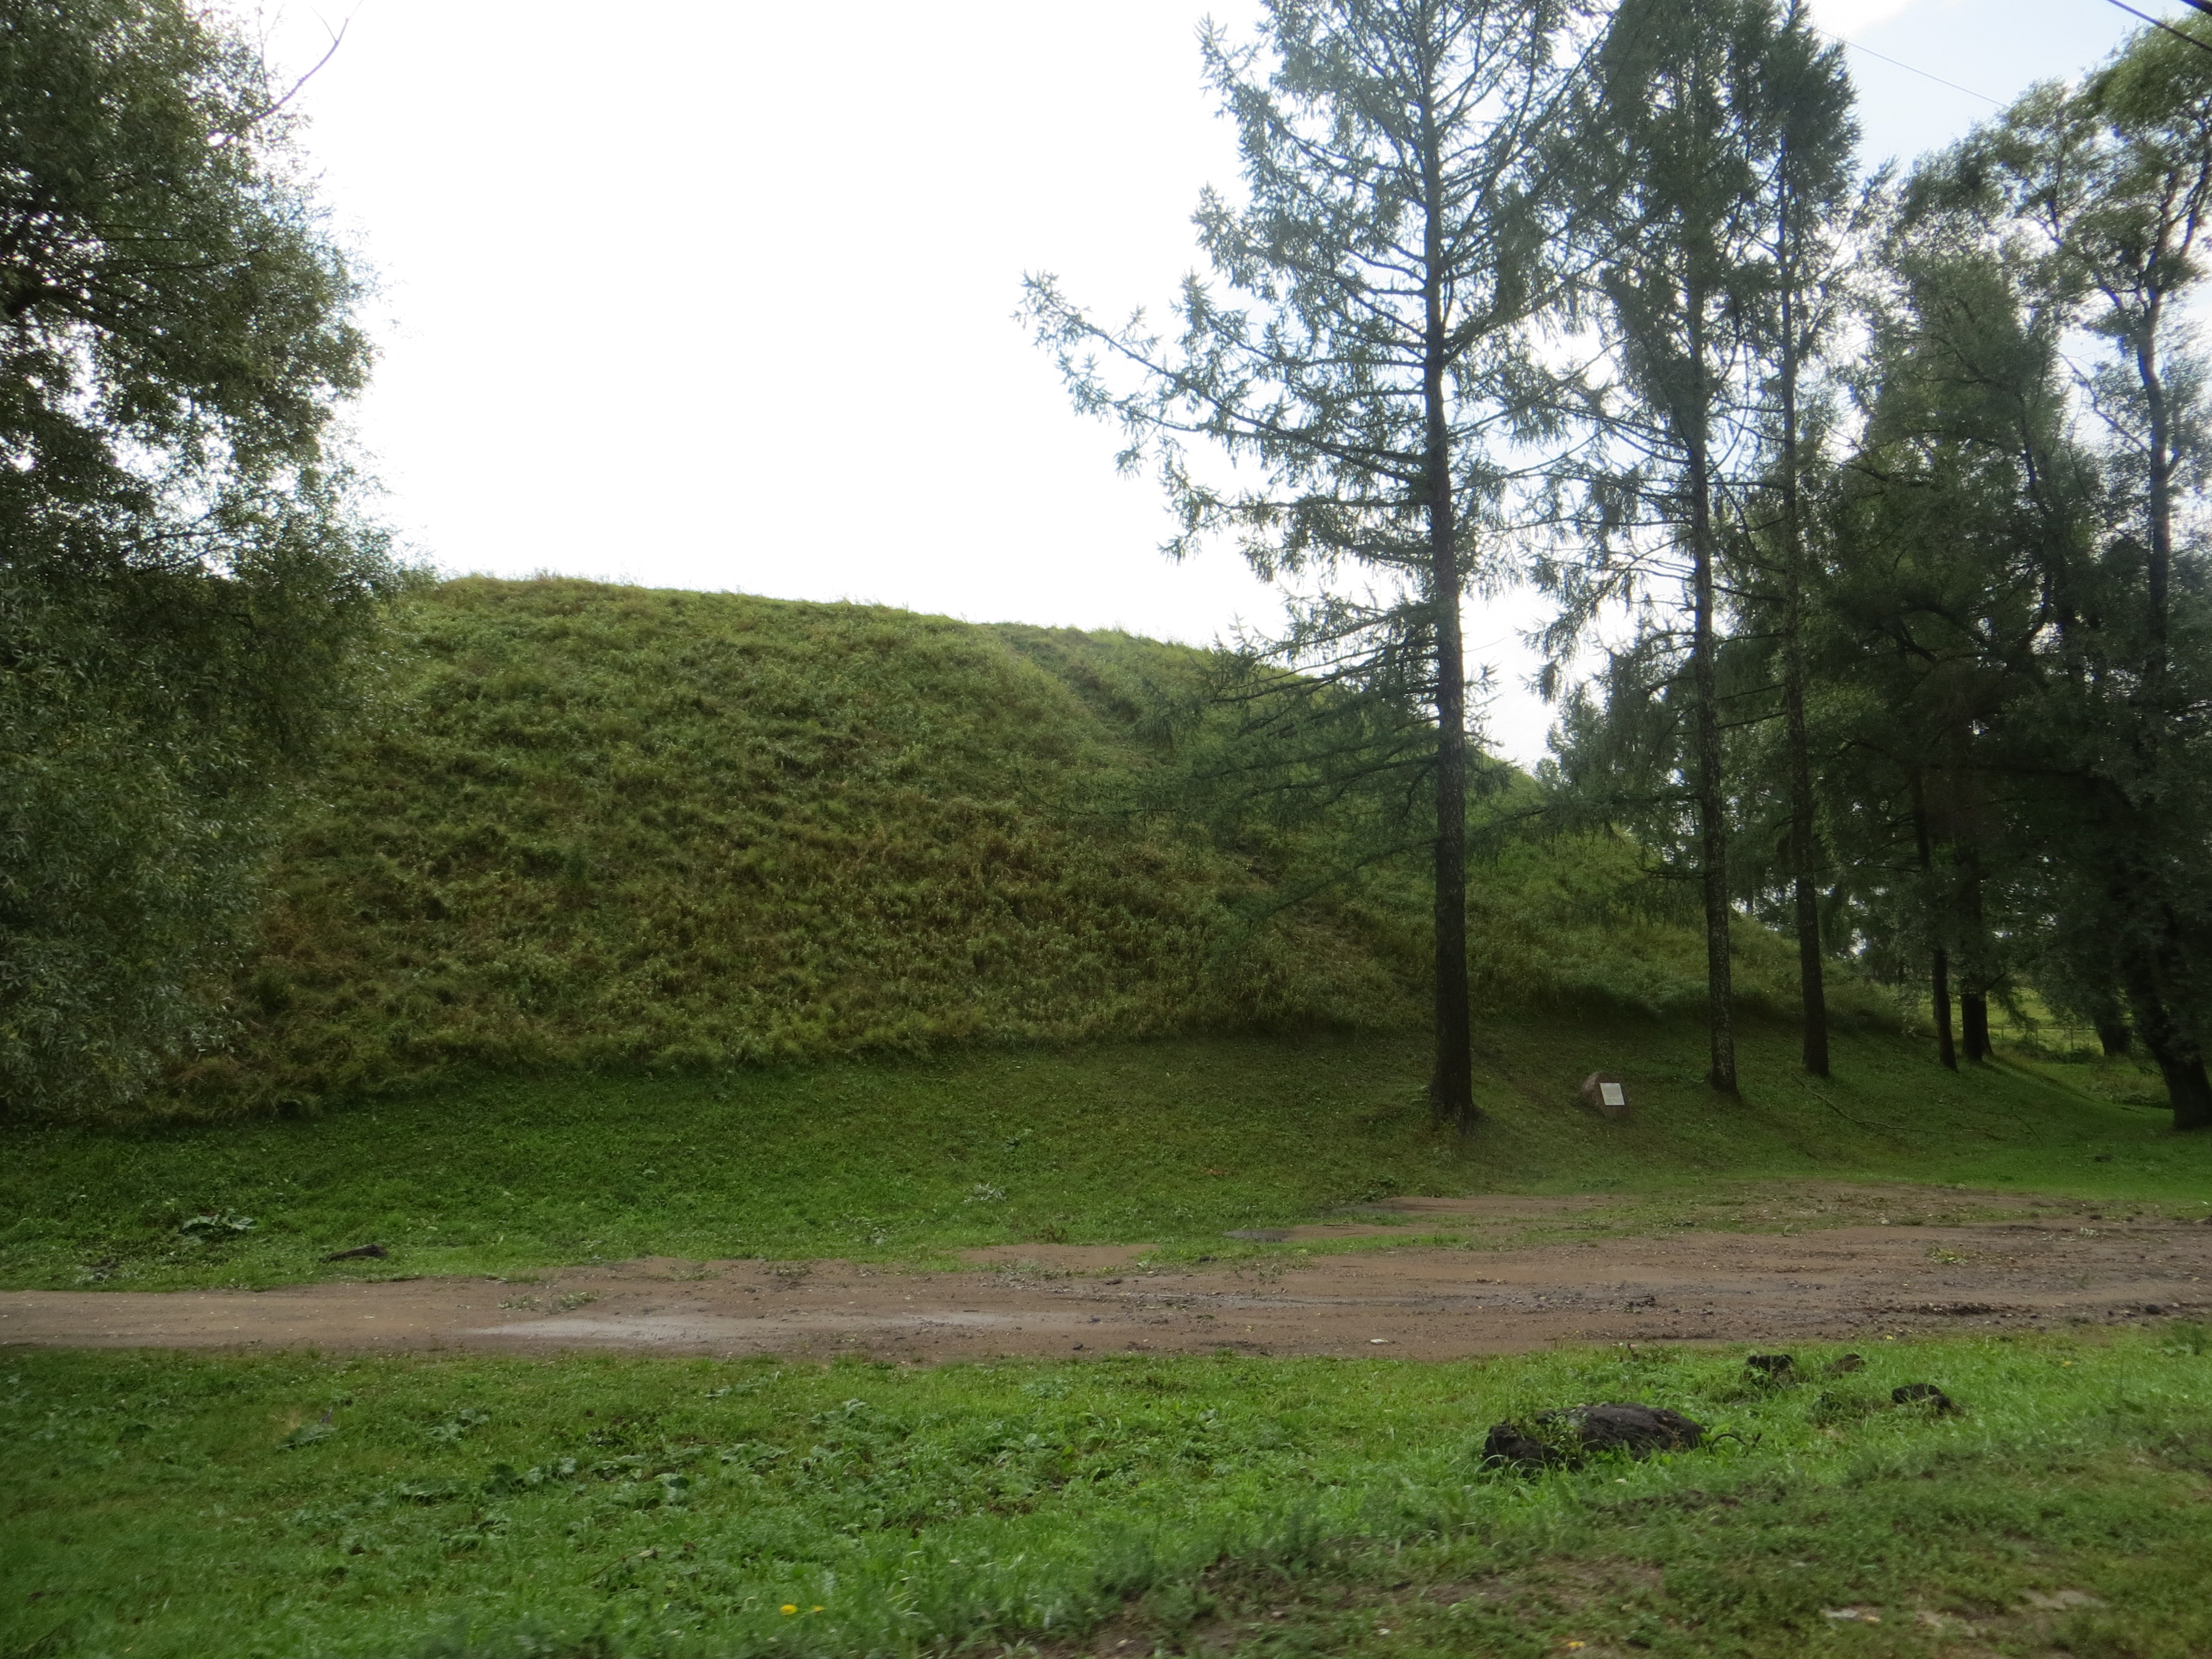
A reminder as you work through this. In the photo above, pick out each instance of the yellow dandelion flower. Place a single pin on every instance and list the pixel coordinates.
(788, 1607)
(814, 1609)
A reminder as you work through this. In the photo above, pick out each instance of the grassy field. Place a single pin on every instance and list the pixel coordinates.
(175, 1508)
(1171, 1142)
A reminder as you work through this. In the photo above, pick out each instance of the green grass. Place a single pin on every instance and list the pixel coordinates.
(1171, 1142)
(620, 830)
(602, 826)
(164, 1505)
(703, 926)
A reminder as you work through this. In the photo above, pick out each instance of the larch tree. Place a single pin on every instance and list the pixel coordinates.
(1691, 157)
(1808, 190)
(1961, 498)
(1359, 355)
(2114, 178)
(1979, 516)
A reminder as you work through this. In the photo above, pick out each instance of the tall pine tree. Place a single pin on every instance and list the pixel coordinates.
(1363, 354)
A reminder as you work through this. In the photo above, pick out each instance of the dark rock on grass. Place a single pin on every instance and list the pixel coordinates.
(1564, 1438)
(1507, 1444)
(1849, 1362)
(1923, 1394)
(1637, 1430)
(1773, 1367)
(363, 1253)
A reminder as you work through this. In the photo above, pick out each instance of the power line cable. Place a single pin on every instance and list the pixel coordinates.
(2204, 6)
(1897, 62)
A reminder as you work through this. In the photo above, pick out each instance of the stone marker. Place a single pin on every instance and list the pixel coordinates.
(1605, 1092)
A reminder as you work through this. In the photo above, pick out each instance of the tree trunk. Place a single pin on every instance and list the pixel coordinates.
(1974, 1002)
(1939, 976)
(2188, 1089)
(1711, 792)
(1940, 997)
(2150, 964)
(2160, 479)
(1812, 987)
(1451, 1080)
(2112, 1034)
(2179, 1060)
(1974, 1025)
(1803, 859)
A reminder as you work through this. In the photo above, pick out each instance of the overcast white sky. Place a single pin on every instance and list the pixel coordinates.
(720, 295)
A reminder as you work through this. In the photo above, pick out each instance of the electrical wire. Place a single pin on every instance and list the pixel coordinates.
(1909, 69)
(2204, 6)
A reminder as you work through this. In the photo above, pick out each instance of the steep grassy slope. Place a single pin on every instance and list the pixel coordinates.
(602, 825)
(605, 826)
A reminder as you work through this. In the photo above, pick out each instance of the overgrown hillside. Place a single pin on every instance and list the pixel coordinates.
(608, 826)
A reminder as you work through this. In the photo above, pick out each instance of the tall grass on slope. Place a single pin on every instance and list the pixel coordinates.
(607, 827)
(618, 826)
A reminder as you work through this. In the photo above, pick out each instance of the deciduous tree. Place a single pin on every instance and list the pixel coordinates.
(185, 570)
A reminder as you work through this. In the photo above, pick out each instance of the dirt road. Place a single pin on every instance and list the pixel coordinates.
(1415, 1301)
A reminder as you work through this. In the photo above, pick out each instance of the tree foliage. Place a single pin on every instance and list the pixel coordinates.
(1363, 359)
(1883, 498)
(185, 570)
(1711, 149)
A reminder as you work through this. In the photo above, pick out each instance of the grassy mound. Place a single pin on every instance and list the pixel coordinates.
(611, 827)
(603, 825)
